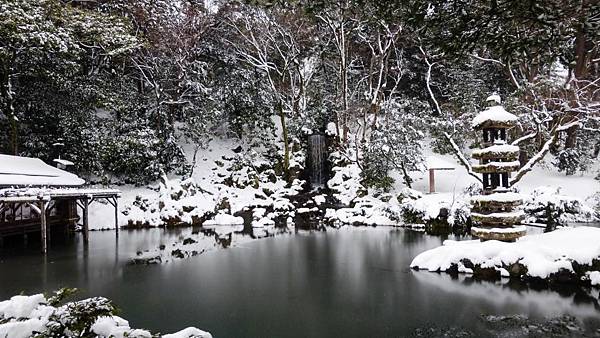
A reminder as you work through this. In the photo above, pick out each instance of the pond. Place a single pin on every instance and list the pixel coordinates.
(350, 282)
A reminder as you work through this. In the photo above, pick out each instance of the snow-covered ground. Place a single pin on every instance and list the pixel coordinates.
(572, 250)
(33, 316)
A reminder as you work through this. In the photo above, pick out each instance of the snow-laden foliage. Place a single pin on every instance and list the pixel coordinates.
(547, 205)
(345, 182)
(38, 316)
(396, 143)
(236, 183)
(449, 209)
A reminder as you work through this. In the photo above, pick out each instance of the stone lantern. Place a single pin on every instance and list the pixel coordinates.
(496, 211)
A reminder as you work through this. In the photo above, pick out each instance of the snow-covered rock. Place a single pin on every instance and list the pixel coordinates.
(224, 219)
(542, 255)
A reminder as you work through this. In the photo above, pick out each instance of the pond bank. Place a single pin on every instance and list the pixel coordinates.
(566, 255)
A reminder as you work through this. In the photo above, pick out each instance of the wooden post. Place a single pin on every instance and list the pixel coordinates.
(431, 181)
(44, 227)
(86, 226)
(116, 215)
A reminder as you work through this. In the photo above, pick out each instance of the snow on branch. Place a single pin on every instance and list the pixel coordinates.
(461, 157)
(475, 56)
(545, 149)
(524, 138)
(428, 80)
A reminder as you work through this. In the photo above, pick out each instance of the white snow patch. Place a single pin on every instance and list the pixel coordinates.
(594, 277)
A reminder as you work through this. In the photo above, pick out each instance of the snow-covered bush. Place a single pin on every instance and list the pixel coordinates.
(436, 208)
(346, 181)
(41, 317)
(547, 205)
(179, 202)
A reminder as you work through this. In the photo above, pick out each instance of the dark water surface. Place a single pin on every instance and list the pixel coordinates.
(352, 282)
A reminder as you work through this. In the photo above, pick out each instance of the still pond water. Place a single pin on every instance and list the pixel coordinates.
(353, 282)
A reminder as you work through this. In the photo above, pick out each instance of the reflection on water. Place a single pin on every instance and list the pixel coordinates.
(349, 282)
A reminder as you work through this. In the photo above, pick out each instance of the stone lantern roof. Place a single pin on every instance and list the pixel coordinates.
(494, 117)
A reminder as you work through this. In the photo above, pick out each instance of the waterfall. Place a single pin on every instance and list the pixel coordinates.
(317, 153)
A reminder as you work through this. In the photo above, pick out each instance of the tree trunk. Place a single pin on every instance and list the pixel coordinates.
(571, 140)
(580, 48)
(344, 78)
(286, 146)
(7, 92)
(406, 176)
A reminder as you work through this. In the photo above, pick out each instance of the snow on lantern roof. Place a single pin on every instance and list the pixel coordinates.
(494, 98)
(494, 115)
(497, 149)
(28, 171)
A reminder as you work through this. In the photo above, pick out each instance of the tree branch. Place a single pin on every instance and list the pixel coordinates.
(545, 149)
(463, 160)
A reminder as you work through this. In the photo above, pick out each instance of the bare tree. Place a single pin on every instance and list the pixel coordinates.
(271, 44)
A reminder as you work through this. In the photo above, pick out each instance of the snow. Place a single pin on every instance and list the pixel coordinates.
(22, 329)
(27, 171)
(515, 229)
(63, 162)
(499, 165)
(493, 114)
(594, 277)
(190, 332)
(28, 316)
(542, 254)
(498, 197)
(512, 214)
(116, 327)
(331, 129)
(224, 219)
(345, 182)
(20, 306)
(497, 149)
(494, 98)
(565, 209)
(435, 162)
(319, 199)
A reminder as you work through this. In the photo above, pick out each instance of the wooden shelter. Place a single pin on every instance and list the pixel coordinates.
(35, 197)
(435, 163)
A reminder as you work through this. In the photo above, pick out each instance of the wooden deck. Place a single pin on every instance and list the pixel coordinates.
(41, 206)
